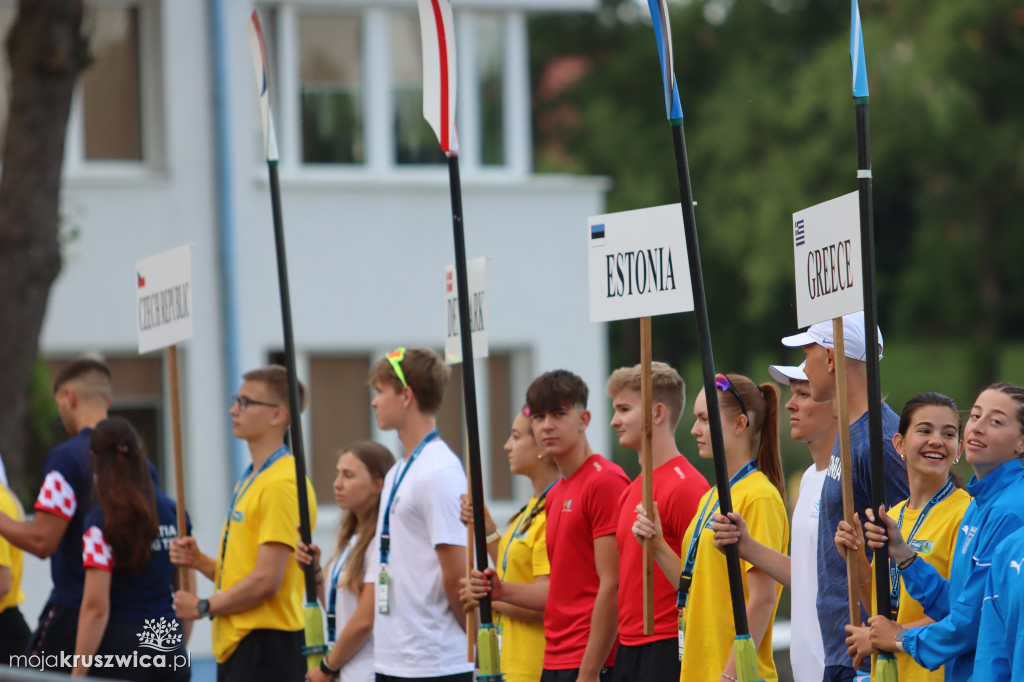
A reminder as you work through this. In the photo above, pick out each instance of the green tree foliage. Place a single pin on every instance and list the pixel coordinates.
(766, 91)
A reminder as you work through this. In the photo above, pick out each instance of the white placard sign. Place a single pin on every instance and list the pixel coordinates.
(163, 286)
(638, 265)
(826, 255)
(477, 272)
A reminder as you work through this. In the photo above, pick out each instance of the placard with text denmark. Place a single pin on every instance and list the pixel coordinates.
(637, 264)
(826, 254)
(476, 270)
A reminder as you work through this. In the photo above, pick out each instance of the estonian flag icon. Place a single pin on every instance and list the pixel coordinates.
(597, 235)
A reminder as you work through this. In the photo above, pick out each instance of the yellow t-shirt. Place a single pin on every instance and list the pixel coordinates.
(268, 511)
(935, 541)
(710, 630)
(10, 556)
(522, 641)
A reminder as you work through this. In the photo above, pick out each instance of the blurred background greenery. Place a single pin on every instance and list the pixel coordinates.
(766, 92)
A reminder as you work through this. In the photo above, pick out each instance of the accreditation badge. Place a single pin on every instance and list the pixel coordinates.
(382, 592)
(682, 630)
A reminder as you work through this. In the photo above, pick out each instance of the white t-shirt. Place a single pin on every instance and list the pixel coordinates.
(806, 652)
(420, 637)
(359, 668)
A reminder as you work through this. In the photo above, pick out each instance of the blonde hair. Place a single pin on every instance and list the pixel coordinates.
(377, 459)
(667, 387)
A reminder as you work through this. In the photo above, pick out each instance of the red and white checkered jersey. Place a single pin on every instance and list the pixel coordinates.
(96, 553)
(57, 496)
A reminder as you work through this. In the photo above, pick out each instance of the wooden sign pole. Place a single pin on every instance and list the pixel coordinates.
(646, 466)
(846, 475)
(179, 466)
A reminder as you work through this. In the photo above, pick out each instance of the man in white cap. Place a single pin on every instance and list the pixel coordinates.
(814, 423)
(819, 367)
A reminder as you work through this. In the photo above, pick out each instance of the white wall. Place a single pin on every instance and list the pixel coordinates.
(366, 256)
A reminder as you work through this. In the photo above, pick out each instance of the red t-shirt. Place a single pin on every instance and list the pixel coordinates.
(580, 509)
(678, 487)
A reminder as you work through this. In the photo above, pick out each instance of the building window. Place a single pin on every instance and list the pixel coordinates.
(415, 141)
(330, 89)
(490, 81)
(111, 101)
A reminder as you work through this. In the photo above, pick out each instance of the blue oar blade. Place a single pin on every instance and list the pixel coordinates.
(860, 67)
(663, 36)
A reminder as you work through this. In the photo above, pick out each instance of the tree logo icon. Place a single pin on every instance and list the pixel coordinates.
(160, 634)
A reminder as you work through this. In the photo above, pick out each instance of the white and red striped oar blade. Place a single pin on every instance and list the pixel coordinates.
(437, 29)
(259, 63)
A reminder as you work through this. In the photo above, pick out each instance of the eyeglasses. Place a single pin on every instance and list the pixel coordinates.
(244, 403)
(395, 357)
(723, 384)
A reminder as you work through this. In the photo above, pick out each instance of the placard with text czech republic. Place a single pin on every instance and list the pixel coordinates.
(163, 286)
(826, 253)
(638, 264)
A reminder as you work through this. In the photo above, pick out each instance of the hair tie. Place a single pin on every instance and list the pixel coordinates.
(123, 448)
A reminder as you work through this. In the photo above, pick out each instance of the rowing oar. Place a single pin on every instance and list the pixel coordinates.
(744, 652)
(439, 79)
(885, 664)
(314, 648)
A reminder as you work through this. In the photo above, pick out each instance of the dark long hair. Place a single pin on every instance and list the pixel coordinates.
(762, 403)
(378, 459)
(124, 491)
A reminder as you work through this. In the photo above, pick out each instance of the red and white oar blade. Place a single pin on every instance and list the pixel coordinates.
(437, 29)
(259, 63)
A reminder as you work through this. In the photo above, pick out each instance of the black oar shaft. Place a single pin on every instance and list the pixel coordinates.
(707, 365)
(476, 481)
(294, 406)
(867, 240)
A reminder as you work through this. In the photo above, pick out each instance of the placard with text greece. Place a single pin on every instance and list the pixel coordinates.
(476, 270)
(638, 265)
(826, 253)
(163, 287)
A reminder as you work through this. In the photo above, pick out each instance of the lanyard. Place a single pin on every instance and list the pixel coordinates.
(691, 555)
(242, 487)
(523, 515)
(894, 572)
(385, 531)
(332, 599)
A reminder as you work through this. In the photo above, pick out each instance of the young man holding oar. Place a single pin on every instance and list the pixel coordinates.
(419, 557)
(678, 487)
(580, 616)
(257, 608)
(83, 392)
(820, 366)
(815, 424)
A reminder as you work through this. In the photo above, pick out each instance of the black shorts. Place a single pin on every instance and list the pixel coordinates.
(571, 674)
(652, 662)
(457, 677)
(54, 636)
(14, 634)
(271, 655)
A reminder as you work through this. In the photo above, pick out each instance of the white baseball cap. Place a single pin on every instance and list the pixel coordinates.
(821, 334)
(784, 374)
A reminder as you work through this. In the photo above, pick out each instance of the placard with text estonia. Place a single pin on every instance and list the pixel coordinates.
(638, 264)
(826, 253)
(163, 286)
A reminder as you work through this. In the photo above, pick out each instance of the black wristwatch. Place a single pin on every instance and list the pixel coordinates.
(203, 607)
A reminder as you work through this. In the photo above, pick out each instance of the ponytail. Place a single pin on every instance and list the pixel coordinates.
(769, 460)
(761, 404)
